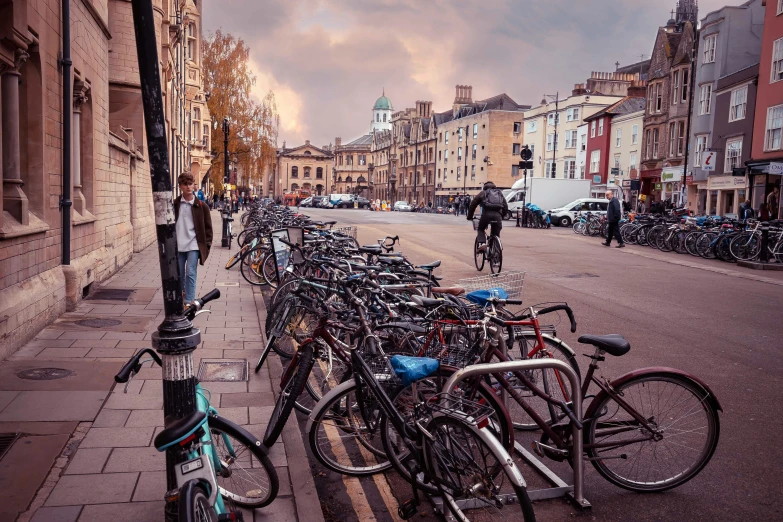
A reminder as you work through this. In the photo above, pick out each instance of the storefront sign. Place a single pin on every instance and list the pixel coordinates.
(626, 183)
(597, 179)
(671, 174)
(689, 180)
(726, 182)
(668, 187)
(658, 186)
(775, 168)
(708, 158)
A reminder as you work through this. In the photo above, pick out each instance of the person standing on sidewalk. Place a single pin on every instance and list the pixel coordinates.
(194, 234)
(613, 215)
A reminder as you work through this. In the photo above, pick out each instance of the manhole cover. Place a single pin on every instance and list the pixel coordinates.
(44, 374)
(222, 370)
(6, 441)
(112, 294)
(579, 276)
(226, 284)
(98, 323)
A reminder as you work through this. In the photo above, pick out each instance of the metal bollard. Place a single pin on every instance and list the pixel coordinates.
(764, 255)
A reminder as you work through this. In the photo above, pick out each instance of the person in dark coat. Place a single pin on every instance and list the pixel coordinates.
(194, 234)
(491, 214)
(613, 215)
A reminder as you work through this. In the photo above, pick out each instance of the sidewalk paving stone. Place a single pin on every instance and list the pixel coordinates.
(88, 461)
(131, 512)
(54, 406)
(117, 437)
(111, 418)
(103, 488)
(150, 486)
(121, 401)
(136, 459)
(145, 418)
(57, 514)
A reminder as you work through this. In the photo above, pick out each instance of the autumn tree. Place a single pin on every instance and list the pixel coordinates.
(253, 123)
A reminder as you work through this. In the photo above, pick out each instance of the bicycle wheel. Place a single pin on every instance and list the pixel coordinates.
(342, 439)
(704, 245)
(478, 257)
(269, 269)
(247, 476)
(690, 243)
(293, 383)
(251, 266)
(495, 249)
(687, 430)
(233, 260)
(301, 322)
(194, 503)
(550, 380)
(745, 245)
(328, 371)
(471, 474)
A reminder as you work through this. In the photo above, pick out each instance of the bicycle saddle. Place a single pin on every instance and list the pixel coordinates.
(452, 290)
(370, 249)
(426, 302)
(391, 260)
(430, 266)
(330, 222)
(613, 344)
(179, 429)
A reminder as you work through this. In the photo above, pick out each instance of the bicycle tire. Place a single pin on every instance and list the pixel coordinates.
(194, 503)
(337, 433)
(234, 259)
(466, 468)
(607, 413)
(554, 348)
(495, 249)
(690, 243)
(269, 269)
(249, 478)
(295, 376)
(478, 255)
(250, 269)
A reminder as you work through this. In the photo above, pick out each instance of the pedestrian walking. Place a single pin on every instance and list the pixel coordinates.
(214, 201)
(613, 215)
(194, 234)
(746, 210)
(773, 202)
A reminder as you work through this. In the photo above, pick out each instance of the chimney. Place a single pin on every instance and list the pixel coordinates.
(307, 142)
(579, 88)
(637, 89)
(337, 142)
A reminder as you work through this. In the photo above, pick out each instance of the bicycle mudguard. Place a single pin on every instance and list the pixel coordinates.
(653, 370)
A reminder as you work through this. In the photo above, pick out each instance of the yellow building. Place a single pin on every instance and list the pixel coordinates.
(305, 167)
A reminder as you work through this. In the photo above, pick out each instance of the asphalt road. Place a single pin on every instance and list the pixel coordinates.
(717, 321)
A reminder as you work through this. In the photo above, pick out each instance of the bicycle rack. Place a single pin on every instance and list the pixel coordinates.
(576, 491)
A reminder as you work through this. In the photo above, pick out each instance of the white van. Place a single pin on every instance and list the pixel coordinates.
(338, 200)
(565, 215)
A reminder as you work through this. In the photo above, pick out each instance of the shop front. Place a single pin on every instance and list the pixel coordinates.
(766, 180)
(725, 194)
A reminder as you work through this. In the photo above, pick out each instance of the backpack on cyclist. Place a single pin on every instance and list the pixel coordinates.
(493, 200)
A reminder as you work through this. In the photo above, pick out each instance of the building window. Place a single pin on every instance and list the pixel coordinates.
(473, 154)
(739, 102)
(672, 139)
(363, 159)
(475, 131)
(459, 172)
(205, 135)
(532, 148)
(709, 48)
(658, 97)
(447, 137)
(705, 98)
(514, 149)
(617, 161)
(514, 171)
(601, 127)
(570, 139)
(701, 146)
(582, 171)
(618, 137)
(438, 173)
(319, 173)
(550, 118)
(472, 172)
(592, 129)
(733, 154)
(550, 142)
(780, 7)
(572, 114)
(680, 138)
(583, 142)
(446, 156)
(551, 170)
(295, 170)
(440, 137)
(777, 61)
(349, 160)
(675, 86)
(632, 161)
(459, 154)
(377, 117)
(773, 140)
(685, 86)
(517, 127)
(634, 135)
(307, 172)
(655, 143)
(595, 160)
(460, 133)
(648, 144)
(569, 169)
(532, 126)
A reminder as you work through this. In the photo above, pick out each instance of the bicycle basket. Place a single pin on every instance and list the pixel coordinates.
(453, 405)
(510, 281)
(347, 231)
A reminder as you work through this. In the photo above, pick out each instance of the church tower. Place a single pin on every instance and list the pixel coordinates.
(381, 114)
(687, 11)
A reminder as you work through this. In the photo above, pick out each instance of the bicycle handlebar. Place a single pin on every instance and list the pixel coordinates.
(559, 307)
(133, 365)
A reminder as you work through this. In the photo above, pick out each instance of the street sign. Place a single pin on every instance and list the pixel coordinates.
(597, 179)
(708, 158)
(636, 184)
(526, 154)
(615, 171)
(626, 183)
(526, 165)
(658, 186)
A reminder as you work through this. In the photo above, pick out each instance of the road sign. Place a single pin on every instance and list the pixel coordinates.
(597, 179)
(708, 158)
(626, 183)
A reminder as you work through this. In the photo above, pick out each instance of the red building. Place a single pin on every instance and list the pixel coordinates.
(766, 163)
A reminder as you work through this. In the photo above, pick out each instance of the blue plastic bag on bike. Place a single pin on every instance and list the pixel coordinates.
(411, 369)
(480, 297)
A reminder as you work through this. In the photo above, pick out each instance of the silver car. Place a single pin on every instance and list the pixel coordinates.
(402, 206)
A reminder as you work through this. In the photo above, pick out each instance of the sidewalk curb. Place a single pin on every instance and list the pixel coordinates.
(308, 506)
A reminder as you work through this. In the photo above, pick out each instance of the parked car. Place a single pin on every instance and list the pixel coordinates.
(402, 206)
(362, 201)
(317, 201)
(565, 215)
(306, 202)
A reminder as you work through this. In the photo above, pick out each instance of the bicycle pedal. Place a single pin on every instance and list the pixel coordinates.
(407, 509)
(234, 516)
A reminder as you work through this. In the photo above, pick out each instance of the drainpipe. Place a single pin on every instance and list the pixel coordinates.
(65, 203)
(691, 88)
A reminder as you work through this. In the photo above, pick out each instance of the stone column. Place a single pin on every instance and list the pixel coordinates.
(80, 94)
(14, 199)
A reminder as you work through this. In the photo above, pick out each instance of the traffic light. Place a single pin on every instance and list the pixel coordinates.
(526, 154)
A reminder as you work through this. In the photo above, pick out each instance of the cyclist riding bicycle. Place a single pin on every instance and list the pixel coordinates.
(493, 206)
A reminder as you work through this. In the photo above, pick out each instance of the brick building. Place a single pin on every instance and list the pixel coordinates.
(112, 213)
(350, 166)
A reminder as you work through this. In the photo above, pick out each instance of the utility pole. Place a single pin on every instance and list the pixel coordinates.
(415, 172)
(465, 179)
(176, 338)
(225, 240)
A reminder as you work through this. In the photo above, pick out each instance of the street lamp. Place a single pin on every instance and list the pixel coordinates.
(556, 97)
(225, 240)
(465, 174)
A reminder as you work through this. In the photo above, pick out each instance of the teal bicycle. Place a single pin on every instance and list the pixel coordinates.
(219, 465)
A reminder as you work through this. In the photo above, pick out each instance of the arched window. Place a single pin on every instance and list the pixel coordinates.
(319, 189)
(294, 172)
(307, 153)
(196, 113)
(377, 117)
(294, 186)
(319, 173)
(339, 178)
(361, 180)
(384, 117)
(349, 179)
(307, 172)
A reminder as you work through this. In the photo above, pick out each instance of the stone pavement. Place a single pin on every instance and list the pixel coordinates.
(86, 446)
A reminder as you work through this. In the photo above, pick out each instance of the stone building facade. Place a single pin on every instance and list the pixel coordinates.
(112, 212)
(305, 167)
(350, 173)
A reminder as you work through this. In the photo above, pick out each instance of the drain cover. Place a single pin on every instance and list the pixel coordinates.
(44, 374)
(6, 441)
(112, 294)
(98, 323)
(579, 276)
(222, 370)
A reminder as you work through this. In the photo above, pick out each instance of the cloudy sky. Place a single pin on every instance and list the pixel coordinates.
(328, 60)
